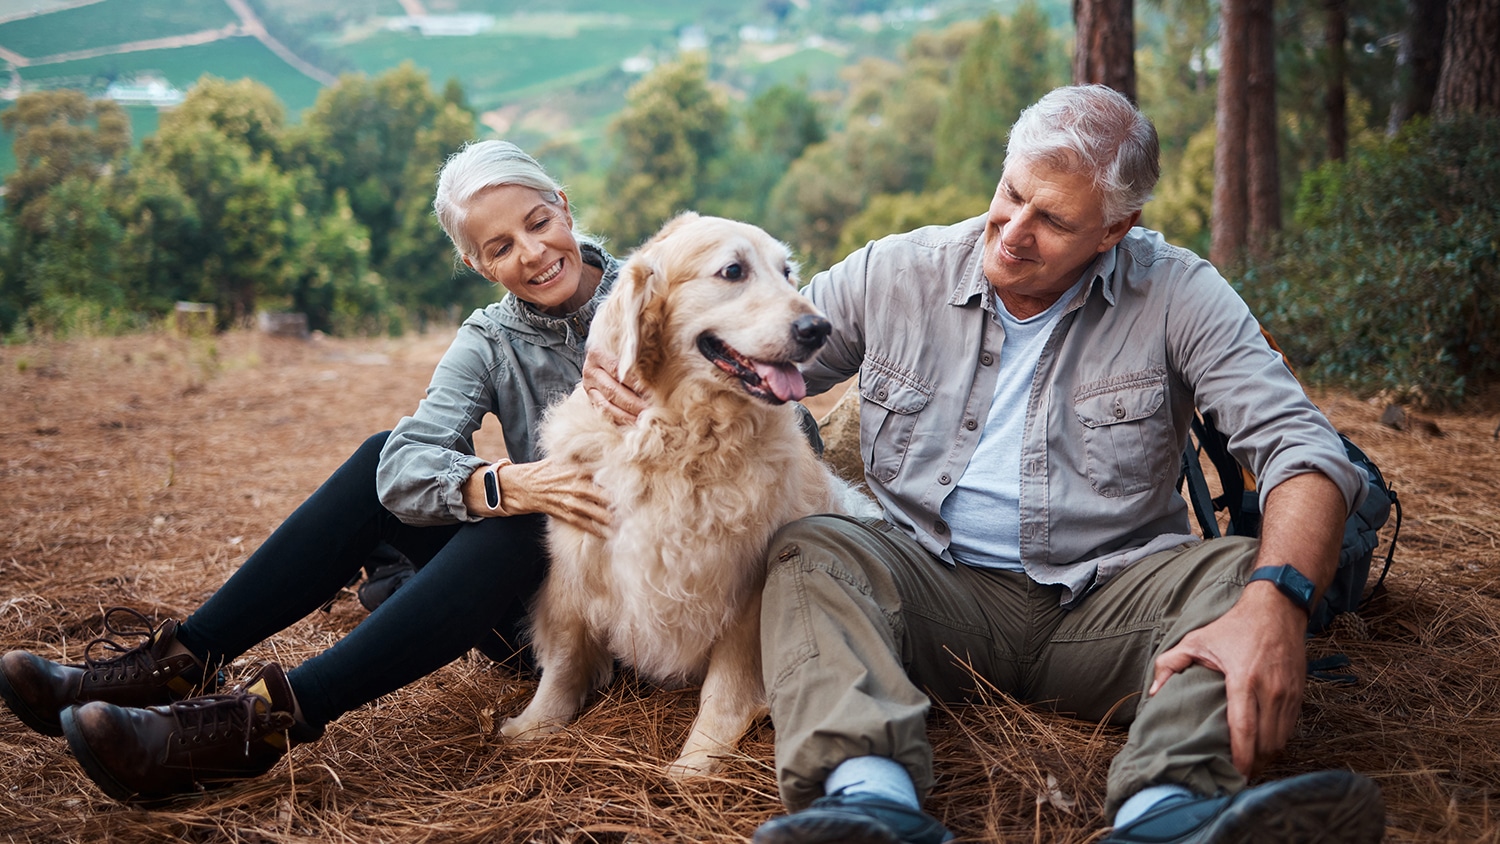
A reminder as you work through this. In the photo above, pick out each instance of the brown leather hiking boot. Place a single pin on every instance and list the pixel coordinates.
(150, 754)
(37, 690)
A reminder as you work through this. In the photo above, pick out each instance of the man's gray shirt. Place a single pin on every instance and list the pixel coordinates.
(1154, 333)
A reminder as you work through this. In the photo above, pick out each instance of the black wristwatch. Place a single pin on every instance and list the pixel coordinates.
(1291, 582)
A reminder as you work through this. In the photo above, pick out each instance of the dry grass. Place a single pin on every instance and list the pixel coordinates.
(141, 471)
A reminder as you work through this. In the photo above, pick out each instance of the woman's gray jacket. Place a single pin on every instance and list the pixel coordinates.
(508, 359)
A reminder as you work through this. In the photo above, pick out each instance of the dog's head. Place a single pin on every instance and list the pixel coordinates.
(714, 298)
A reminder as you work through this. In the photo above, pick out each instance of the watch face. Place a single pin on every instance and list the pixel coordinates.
(1290, 582)
(491, 489)
(1295, 581)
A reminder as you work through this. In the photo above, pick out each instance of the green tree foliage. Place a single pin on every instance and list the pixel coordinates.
(1392, 281)
(228, 205)
(1006, 66)
(419, 259)
(59, 134)
(903, 212)
(885, 146)
(336, 287)
(672, 129)
(1183, 198)
(773, 130)
(244, 111)
(889, 140)
(365, 136)
(74, 277)
(61, 138)
(781, 122)
(238, 219)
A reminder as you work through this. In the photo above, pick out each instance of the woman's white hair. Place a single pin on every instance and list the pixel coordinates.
(1092, 129)
(481, 165)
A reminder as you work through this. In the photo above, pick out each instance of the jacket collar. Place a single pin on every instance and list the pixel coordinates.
(524, 317)
(1101, 274)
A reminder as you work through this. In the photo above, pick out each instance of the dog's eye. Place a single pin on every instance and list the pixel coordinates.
(786, 271)
(733, 272)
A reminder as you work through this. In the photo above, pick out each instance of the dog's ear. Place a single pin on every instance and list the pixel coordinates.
(638, 315)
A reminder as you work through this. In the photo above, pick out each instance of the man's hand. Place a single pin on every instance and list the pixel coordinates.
(620, 401)
(1258, 647)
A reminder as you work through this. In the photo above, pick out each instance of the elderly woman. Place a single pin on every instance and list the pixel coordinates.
(473, 525)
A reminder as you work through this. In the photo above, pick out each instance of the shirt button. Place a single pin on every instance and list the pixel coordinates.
(944, 479)
(970, 424)
(940, 526)
(986, 358)
(880, 394)
(1119, 412)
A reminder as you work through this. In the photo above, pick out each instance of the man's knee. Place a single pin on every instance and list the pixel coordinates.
(825, 536)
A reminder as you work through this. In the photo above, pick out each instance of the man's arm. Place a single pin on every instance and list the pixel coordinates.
(1259, 645)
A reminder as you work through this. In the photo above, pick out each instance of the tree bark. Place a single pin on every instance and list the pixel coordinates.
(1335, 97)
(1419, 61)
(1261, 159)
(1470, 81)
(1104, 49)
(1229, 224)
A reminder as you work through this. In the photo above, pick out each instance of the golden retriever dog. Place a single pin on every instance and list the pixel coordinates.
(707, 316)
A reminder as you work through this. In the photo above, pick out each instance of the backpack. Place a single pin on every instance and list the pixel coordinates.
(1361, 531)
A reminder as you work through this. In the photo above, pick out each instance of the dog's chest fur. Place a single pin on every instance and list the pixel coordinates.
(698, 487)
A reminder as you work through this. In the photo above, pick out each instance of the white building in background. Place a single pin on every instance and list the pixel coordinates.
(442, 25)
(758, 34)
(145, 90)
(637, 65)
(692, 38)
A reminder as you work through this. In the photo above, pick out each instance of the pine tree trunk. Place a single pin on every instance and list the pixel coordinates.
(1470, 82)
(1229, 224)
(1263, 169)
(1104, 49)
(1335, 98)
(1419, 61)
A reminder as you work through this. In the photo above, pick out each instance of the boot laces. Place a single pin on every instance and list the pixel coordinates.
(135, 624)
(227, 714)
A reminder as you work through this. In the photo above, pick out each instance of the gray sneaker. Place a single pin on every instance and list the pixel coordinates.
(1327, 807)
(853, 819)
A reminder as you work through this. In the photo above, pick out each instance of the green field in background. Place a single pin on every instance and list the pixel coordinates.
(231, 58)
(495, 67)
(111, 22)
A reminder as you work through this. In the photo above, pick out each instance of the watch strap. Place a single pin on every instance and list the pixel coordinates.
(1292, 583)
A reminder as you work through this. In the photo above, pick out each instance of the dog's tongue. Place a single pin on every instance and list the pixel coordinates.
(784, 380)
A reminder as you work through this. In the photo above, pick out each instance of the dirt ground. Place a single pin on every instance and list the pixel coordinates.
(141, 471)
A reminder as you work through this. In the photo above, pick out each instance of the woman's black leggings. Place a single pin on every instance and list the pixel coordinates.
(473, 584)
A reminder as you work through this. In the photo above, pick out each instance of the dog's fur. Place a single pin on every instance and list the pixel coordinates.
(697, 486)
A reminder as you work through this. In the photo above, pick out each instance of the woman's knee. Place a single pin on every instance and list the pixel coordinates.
(372, 446)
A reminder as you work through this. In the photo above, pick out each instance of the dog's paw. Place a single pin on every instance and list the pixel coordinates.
(521, 728)
(698, 763)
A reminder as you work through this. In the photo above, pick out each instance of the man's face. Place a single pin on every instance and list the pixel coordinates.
(1045, 226)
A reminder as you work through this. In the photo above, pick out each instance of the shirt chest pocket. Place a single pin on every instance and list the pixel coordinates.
(1127, 433)
(888, 419)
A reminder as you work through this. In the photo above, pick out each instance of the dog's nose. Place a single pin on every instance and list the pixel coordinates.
(810, 331)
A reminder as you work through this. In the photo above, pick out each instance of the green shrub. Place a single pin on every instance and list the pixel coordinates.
(1390, 282)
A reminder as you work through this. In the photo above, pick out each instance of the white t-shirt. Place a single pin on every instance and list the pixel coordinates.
(984, 509)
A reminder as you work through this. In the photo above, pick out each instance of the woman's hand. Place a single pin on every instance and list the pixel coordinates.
(620, 401)
(541, 487)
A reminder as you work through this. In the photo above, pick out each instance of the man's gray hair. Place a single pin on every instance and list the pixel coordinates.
(481, 165)
(1092, 129)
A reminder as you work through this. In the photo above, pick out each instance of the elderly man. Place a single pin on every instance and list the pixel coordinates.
(1027, 380)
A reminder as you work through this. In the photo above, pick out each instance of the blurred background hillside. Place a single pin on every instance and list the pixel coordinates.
(279, 154)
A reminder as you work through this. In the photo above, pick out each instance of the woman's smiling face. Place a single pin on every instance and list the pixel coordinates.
(525, 244)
